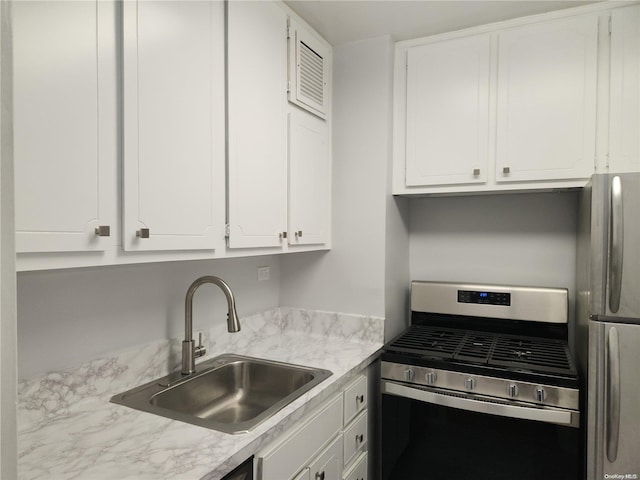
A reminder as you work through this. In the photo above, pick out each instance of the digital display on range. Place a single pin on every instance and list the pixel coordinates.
(484, 298)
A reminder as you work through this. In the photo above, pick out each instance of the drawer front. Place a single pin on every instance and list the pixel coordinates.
(288, 457)
(359, 469)
(355, 438)
(355, 398)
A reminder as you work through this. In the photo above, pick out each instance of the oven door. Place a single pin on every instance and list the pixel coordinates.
(429, 435)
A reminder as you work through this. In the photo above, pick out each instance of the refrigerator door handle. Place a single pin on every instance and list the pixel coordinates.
(613, 394)
(616, 251)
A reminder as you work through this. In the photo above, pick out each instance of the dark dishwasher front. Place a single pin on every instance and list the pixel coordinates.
(242, 472)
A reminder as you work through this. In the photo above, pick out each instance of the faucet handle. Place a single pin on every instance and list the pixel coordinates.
(200, 350)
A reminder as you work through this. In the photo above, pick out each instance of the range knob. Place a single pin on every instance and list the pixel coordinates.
(470, 383)
(409, 374)
(512, 390)
(539, 394)
(431, 378)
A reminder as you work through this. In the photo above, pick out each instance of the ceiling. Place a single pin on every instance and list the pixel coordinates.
(343, 21)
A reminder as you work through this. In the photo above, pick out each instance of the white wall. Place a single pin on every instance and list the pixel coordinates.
(351, 277)
(521, 239)
(8, 436)
(67, 317)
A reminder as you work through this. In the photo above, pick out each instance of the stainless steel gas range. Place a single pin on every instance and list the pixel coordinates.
(482, 386)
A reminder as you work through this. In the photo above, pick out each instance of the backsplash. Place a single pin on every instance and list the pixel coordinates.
(57, 393)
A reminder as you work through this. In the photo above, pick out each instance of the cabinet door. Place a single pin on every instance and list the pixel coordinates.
(309, 179)
(64, 125)
(257, 99)
(624, 146)
(328, 465)
(173, 124)
(448, 112)
(293, 451)
(546, 114)
(359, 469)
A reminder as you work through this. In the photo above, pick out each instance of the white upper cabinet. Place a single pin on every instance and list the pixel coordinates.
(502, 107)
(309, 179)
(624, 115)
(122, 150)
(64, 124)
(448, 112)
(173, 125)
(257, 123)
(546, 118)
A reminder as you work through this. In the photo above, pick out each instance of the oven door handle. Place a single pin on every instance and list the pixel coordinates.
(560, 417)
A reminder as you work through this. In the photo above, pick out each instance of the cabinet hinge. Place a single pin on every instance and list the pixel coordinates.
(610, 21)
(288, 32)
(227, 230)
(288, 86)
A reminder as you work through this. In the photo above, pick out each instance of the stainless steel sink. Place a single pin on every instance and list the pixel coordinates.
(229, 393)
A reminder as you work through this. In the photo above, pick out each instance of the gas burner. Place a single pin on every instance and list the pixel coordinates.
(538, 355)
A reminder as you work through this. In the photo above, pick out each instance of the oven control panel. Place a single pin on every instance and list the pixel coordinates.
(484, 298)
(496, 387)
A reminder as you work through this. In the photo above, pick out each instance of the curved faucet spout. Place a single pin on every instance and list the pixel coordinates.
(189, 352)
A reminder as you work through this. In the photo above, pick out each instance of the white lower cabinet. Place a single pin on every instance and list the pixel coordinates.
(358, 470)
(296, 451)
(355, 438)
(328, 465)
(330, 444)
(356, 425)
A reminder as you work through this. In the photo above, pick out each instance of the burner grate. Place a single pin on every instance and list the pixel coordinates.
(540, 355)
(430, 341)
(476, 347)
(532, 353)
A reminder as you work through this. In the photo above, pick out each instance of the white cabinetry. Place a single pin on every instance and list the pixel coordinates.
(279, 154)
(257, 97)
(173, 124)
(358, 471)
(448, 112)
(297, 450)
(309, 179)
(330, 444)
(624, 129)
(546, 115)
(356, 427)
(509, 106)
(142, 160)
(328, 465)
(64, 125)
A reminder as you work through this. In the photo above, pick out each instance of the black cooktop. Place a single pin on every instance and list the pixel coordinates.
(499, 351)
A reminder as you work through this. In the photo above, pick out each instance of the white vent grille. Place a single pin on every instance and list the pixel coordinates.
(311, 68)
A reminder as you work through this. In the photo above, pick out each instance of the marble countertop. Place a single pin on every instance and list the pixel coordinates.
(68, 429)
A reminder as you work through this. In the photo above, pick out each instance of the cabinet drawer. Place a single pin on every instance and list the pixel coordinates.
(355, 398)
(355, 438)
(289, 456)
(359, 469)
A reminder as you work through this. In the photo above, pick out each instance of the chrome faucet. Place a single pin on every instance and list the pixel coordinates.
(189, 351)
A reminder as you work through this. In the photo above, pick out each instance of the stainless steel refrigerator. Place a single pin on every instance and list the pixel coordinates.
(608, 324)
